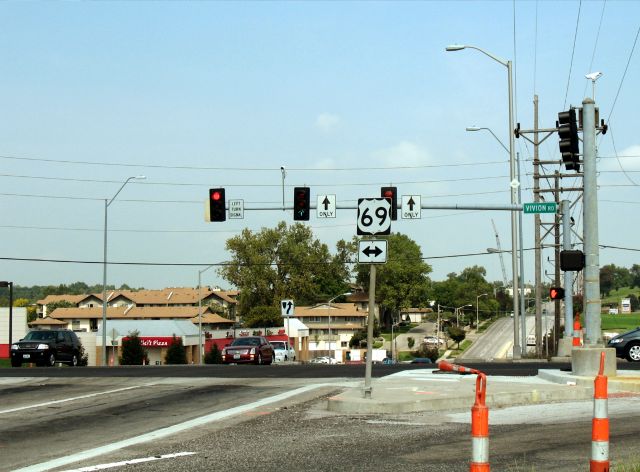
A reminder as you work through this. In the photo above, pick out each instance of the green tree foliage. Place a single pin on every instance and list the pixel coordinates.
(634, 272)
(214, 356)
(411, 342)
(51, 307)
(613, 277)
(359, 338)
(82, 355)
(281, 263)
(635, 303)
(176, 353)
(427, 350)
(402, 282)
(457, 334)
(263, 317)
(133, 353)
(464, 288)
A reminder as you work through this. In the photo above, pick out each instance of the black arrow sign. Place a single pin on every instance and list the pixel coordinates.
(411, 203)
(376, 251)
(326, 203)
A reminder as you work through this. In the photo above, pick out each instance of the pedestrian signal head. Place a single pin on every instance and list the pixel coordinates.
(556, 293)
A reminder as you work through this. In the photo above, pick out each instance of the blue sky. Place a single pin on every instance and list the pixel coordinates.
(348, 96)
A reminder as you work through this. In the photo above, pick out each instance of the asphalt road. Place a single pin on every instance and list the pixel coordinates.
(244, 418)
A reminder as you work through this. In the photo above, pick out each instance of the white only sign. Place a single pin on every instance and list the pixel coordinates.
(411, 207)
(236, 209)
(326, 207)
(374, 216)
(287, 308)
(372, 251)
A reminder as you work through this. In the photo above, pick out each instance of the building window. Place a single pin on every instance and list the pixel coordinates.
(93, 324)
(75, 324)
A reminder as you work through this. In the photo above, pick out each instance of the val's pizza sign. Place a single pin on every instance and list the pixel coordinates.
(156, 341)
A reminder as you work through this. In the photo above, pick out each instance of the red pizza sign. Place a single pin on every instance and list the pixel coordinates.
(159, 341)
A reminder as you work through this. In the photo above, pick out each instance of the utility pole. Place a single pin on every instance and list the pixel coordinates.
(593, 336)
(556, 278)
(537, 251)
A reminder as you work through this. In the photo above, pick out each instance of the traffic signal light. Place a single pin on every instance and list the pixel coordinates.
(217, 211)
(569, 143)
(301, 202)
(556, 293)
(392, 194)
(572, 260)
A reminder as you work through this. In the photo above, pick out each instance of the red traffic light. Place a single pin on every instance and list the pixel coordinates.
(391, 193)
(215, 195)
(556, 293)
(217, 205)
(301, 203)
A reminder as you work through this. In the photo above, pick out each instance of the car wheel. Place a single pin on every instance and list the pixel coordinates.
(15, 363)
(633, 353)
(51, 360)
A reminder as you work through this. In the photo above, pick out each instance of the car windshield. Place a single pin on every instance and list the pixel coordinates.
(246, 342)
(278, 344)
(40, 336)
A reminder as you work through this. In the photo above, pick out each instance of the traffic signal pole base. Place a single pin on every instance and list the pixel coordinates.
(586, 361)
(565, 345)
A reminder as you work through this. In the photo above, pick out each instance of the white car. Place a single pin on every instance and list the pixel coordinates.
(283, 351)
(323, 360)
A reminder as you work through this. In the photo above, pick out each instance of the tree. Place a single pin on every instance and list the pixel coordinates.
(427, 350)
(83, 357)
(263, 317)
(133, 353)
(634, 272)
(32, 311)
(51, 307)
(411, 342)
(214, 356)
(463, 289)
(400, 283)
(457, 334)
(281, 263)
(635, 303)
(176, 353)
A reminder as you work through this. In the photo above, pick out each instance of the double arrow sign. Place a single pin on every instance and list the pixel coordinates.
(372, 251)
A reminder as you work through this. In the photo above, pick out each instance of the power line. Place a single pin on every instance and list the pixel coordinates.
(573, 50)
(244, 169)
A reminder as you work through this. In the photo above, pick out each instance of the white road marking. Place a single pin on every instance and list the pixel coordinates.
(164, 432)
(113, 465)
(53, 402)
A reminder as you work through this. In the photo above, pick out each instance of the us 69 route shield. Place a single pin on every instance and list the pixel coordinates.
(374, 216)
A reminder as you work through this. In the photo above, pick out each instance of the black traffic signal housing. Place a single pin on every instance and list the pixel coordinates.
(392, 194)
(569, 142)
(217, 204)
(572, 260)
(301, 203)
(556, 293)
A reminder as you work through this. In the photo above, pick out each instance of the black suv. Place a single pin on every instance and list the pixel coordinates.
(627, 345)
(46, 347)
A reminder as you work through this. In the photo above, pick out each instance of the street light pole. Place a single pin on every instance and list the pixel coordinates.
(517, 352)
(329, 315)
(104, 269)
(10, 285)
(200, 312)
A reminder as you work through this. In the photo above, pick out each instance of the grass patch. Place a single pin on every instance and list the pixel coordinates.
(377, 345)
(615, 295)
(5, 363)
(620, 322)
(396, 331)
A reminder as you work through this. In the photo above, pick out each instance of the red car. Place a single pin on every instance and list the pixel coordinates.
(249, 349)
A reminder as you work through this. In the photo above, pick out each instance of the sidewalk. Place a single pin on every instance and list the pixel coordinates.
(432, 390)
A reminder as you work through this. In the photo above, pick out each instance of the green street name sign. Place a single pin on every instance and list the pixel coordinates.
(541, 207)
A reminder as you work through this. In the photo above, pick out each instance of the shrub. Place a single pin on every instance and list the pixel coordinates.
(214, 356)
(411, 342)
(133, 353)
(83, 357)
(176, 353)
(427, 350)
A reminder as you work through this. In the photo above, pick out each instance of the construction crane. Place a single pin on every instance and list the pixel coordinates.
(504, 272)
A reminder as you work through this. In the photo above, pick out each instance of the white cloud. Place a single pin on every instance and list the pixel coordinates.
(404, 153)
(327, 121)
(629, 160)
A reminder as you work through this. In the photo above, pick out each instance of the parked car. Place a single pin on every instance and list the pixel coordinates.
(283, 351)
(46, 347)
(433, 340)
(388, 361)
(248, 350)
(627, 345)
(323, 360)
(422, 360)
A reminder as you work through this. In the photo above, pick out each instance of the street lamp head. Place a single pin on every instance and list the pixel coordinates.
(492, 250)
(4, 283)
(140, 177)
(593, 76)
(455, 47)
(473, 128)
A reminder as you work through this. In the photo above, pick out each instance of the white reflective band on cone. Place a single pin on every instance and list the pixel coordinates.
(600, 409)
(480, 450)
(599, 450)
